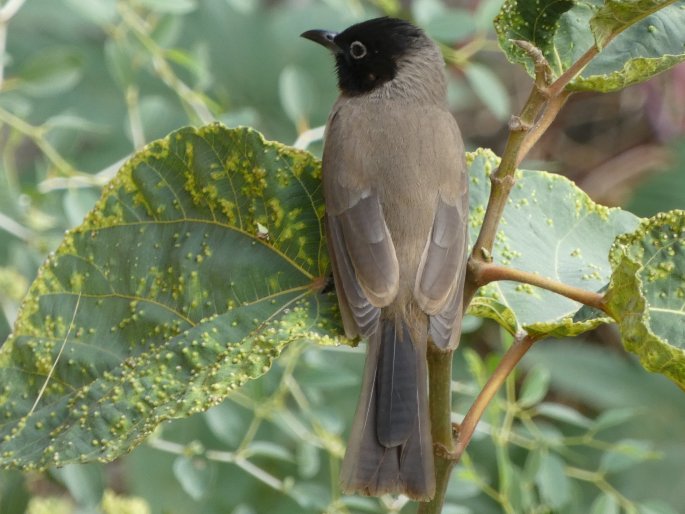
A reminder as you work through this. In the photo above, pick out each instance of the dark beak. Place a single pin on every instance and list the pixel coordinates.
(323, 37)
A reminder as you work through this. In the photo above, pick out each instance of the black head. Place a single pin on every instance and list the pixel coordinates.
(367, 53)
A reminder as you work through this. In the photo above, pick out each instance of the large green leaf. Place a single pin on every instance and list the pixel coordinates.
(615, 16)
(202, 259)
(647, 293)
(552, 228)
(637, 38)
(532, 21)
(649, 45)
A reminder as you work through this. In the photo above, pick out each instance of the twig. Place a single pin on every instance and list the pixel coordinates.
(220, 456)
(36, 135)
(558, 85)
(7, 12)
(135, 120)
(543, 72)
(553, 107)
(194, 100)
(511, 358)
(308, 137)
(16, 229)
(489, 272)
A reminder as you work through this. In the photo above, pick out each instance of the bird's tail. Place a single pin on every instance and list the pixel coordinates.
(390, 448)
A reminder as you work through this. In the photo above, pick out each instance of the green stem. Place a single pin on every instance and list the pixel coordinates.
(195, 102)
(503, 179)
(37, 135)
(440, 406)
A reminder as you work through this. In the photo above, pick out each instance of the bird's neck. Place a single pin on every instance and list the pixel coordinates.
(420, 81)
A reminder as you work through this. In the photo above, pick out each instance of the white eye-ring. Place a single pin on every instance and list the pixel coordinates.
(357, 49)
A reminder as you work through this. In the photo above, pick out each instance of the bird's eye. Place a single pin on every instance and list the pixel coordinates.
(357, 50)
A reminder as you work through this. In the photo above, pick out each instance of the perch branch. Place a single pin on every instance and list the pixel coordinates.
(484, 273)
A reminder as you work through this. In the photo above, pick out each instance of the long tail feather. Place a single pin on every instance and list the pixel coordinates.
(390, 448)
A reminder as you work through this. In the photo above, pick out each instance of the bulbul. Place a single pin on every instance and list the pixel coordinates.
(396, 197)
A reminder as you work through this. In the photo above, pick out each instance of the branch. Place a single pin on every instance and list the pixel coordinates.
(195, 102)
(7, 12)
(503, 179)
(558, 85)
(440, 407)
(484, 273)
(543, 71)
(511, 358)
(37, 135)
(554, 105)
(544, 103)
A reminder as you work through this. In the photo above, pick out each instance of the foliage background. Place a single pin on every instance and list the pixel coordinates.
(581, 428)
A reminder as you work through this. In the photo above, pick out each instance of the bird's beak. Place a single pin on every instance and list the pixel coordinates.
(323, 37)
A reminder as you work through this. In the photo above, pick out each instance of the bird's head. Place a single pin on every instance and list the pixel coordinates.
(371, 53)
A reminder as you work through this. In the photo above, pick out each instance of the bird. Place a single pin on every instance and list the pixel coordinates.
(395, 191)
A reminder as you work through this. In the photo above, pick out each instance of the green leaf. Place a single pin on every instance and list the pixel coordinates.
(534, 21)
(120, 62)
(625, 454)
(360, 503)
(485, 12)
(552, 482)
(101, 12)
(77, 203)
(450, 508)
(425, 10)
(308, 460)
(14, 497)
(84, 482)
(52, 71)
(311, 496)
(647, 293)
(296, 93)
(535, 387)
(613, 417)
(450, 25)
(443, 23)
(169, 6)
(563, 413)
(648, 46)
(615, 16)
(460, 487)
(167, 297)
(655, 507)
(643, 35)
(488, 87)
(604, 504)
(269, 450)
(194, 474)
(228, 422)
(549, 227)
(532, 464)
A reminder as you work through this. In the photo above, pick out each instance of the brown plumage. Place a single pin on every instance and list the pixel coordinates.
(396, 196)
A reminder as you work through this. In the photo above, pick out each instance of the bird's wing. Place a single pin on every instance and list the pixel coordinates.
(363, 256)
(359, 316)
(440, 277)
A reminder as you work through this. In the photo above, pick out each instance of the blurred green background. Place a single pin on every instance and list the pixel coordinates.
(581, 428)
